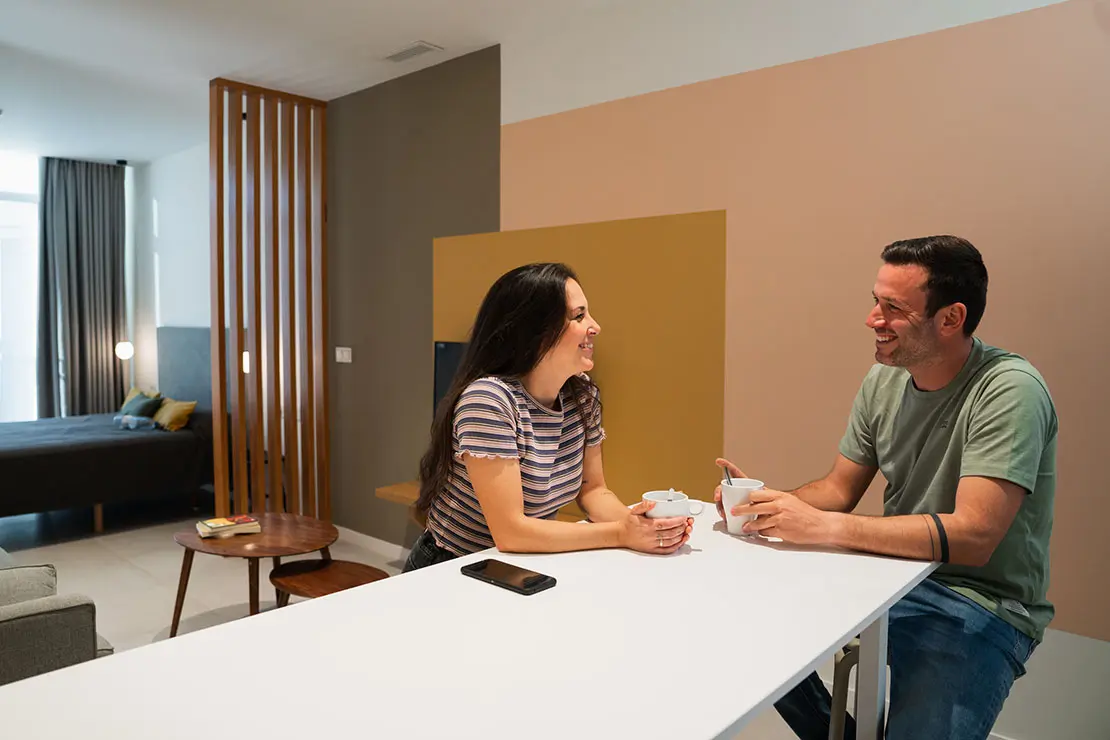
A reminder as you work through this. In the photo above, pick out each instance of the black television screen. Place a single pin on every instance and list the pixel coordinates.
(447, 358)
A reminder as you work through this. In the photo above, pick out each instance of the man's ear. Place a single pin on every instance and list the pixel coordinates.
(952, 319)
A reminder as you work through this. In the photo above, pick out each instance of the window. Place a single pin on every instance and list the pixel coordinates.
(19, 285)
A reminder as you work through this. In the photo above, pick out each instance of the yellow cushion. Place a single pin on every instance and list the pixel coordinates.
(174, 414)
(136, 391)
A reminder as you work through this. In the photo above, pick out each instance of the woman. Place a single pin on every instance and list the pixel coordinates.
(518, 435)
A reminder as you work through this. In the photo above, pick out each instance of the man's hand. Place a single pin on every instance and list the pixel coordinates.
(787, 517)
(735, 472)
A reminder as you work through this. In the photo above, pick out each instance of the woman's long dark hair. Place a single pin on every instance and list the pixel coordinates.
(521, 319)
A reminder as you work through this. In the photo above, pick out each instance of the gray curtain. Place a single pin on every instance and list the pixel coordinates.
(81, 287)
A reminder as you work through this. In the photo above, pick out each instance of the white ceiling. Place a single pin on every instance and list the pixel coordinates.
(633, 49)
(128, 79)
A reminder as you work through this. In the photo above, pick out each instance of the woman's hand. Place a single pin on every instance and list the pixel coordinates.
(657, 536)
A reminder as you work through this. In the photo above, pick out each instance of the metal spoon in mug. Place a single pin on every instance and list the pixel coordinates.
(728, 476)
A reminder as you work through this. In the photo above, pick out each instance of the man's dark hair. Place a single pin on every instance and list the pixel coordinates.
(956, 273)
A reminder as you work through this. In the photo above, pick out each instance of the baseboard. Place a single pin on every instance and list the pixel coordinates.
(385, 549)
(852, 702)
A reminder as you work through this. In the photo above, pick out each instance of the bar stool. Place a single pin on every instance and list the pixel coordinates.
(313, 578)
(846, 659)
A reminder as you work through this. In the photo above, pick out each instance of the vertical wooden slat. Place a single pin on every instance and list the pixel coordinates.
(305, 345)
(320, 310)
(253, 172)
(235, 279)
(271, 297)
(216, 97)
(269, 242)
(288, 298)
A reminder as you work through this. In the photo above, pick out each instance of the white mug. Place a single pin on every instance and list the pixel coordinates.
(736, 493)
(671, 503)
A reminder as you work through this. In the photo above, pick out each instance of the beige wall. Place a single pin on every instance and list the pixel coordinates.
(656, 287)
(994, 131)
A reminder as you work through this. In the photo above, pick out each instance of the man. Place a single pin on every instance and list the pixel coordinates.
(965, 435)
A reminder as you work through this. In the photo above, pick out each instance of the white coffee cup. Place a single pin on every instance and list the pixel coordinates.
(671, 503)
(736, 493)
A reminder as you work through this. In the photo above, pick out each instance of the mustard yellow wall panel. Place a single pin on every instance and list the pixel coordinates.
(657, 287)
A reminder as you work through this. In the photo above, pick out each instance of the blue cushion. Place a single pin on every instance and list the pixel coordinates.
(141, 405)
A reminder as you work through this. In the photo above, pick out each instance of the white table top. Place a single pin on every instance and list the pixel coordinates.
(691, 645)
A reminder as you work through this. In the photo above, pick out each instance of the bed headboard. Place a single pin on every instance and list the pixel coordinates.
(185, 364)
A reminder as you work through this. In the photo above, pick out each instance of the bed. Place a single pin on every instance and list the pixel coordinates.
(81, 461)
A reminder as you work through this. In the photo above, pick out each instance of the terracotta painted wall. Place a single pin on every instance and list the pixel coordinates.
(995, 131)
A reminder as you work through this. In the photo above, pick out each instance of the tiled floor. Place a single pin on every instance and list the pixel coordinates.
(132, 574)
(132, 577)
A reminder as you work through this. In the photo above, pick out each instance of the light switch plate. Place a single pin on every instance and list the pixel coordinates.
(343, 354)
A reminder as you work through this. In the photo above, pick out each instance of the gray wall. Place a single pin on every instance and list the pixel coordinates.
(409, 160)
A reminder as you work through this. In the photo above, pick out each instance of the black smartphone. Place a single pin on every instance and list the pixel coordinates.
(511, 577)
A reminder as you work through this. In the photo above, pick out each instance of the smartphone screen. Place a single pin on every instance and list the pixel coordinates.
(511, 576)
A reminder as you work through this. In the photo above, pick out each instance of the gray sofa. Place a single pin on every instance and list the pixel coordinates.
(41, 631)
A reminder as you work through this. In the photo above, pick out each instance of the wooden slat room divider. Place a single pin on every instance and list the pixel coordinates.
(269, 300)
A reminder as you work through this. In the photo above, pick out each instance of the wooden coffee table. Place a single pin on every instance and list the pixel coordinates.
(282, 535)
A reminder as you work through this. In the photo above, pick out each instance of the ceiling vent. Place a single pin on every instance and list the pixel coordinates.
(414, 49)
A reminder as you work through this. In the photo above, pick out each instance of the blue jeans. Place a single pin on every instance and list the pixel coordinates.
(952, 664)
(426, 552)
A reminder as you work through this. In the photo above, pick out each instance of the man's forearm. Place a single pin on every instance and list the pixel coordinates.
(823, 494)
(912, 536)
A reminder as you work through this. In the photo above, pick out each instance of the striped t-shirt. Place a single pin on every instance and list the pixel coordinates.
(496, 417)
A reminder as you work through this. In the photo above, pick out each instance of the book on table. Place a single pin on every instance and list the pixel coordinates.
(226, 526)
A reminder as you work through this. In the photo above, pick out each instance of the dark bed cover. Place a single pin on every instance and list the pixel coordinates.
(79, 461)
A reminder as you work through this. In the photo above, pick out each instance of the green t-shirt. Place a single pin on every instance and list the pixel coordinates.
(996, 419)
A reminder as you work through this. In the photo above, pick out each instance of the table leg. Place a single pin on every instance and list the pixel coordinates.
(182, 584)
(871, 681)
(326, 553)
(277, 594)
(252, 576)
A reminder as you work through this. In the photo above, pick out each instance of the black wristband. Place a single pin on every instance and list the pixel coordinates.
(943, 539)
